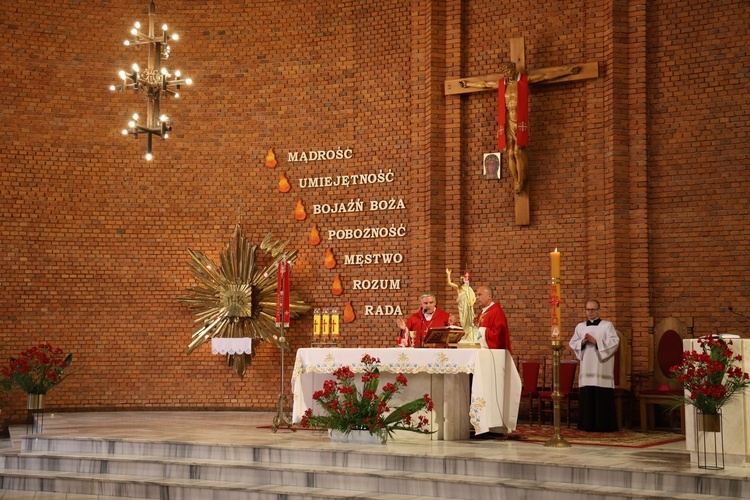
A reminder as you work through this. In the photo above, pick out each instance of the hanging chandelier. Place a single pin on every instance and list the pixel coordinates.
(154, 82)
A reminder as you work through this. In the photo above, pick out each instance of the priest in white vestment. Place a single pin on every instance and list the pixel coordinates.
(595, 343)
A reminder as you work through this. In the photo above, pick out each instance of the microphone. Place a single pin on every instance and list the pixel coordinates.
(731, 310)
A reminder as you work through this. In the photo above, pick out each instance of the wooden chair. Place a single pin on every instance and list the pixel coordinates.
(529, 370)
(567, 379)
(622, 374)
(664, 352)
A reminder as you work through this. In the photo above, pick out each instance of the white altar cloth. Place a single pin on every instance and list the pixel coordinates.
(734, 415)
(443, 373)
(243, 345)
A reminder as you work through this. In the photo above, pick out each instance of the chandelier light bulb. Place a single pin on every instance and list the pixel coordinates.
(131, 124)
(124, 131)
(189, 81)
(112, 87)
(177, 73)
(164, 27)
(176, 95)
(175, 36)
(135, 67)
(127, 43)
(164, 71)
(123, 75)
(149, 156)
(137, 25)
(135, 116)
(163, 118)
(134, 31)
(166, 136)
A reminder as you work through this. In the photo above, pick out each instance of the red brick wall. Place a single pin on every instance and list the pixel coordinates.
(639, 177)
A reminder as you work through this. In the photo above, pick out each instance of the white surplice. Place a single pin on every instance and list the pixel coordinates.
(597, 362)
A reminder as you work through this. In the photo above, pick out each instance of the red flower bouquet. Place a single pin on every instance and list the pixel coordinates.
(347, 408)
(710, 376)
(37, 370)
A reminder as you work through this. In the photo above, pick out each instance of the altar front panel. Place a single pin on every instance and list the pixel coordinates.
(491, 403)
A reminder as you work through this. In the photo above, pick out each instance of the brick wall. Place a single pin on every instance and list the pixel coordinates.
(639, 177)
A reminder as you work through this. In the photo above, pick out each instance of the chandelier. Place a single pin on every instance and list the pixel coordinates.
(154, 82)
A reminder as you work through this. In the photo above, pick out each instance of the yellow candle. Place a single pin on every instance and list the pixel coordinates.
(335, 323)
(554, 258)
(326, 323)
(316, 323)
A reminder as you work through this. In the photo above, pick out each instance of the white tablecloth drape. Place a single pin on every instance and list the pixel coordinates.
(242, 345)
(495, 388)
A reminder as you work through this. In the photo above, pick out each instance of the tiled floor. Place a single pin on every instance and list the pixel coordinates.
(240, 428)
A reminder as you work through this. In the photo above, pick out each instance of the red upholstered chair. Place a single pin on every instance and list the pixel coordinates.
(665, 351)
(529, 370)
(567, 379)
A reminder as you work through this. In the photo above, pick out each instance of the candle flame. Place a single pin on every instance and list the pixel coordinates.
(314, 238)
(284, 186)
(299, 212)
(337, 288)
(271, 159)
(330, 260)
(349, 315)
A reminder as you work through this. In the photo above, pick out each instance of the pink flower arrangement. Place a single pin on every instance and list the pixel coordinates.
(37, 370)
(347, 408)
(710, 376)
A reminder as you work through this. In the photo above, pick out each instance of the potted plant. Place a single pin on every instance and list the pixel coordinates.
(349, 410)
(711, 377)
(37, 370)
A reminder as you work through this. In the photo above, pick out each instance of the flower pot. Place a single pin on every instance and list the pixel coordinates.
(36, 402)
(709, 422)
(357, 436)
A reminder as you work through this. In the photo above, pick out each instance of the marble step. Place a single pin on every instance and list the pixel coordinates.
(195, 489)
(186, 460)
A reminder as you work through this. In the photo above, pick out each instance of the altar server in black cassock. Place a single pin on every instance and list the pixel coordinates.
(595, 343)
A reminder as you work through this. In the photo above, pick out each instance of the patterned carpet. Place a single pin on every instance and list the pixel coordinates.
(624, 438)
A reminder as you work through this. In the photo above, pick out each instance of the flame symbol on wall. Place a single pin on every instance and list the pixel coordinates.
(284, 186)
(330, 261)
(271, 159)
(314, 237)
(299, 212)
(337, 289)
(349, 312)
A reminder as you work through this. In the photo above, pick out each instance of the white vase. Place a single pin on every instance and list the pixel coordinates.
(357, 436)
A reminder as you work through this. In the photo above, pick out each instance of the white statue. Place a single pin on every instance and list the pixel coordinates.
(466, 299)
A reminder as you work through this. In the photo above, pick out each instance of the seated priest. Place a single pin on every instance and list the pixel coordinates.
(428, 316)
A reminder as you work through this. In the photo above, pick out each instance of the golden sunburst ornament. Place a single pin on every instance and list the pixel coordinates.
(237, 299)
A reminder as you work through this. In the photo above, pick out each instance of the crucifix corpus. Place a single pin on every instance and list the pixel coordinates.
(513, 109)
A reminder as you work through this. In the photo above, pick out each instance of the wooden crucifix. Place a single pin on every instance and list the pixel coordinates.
(513, 123)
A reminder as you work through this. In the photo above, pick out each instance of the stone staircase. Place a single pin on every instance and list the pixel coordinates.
(186, 471)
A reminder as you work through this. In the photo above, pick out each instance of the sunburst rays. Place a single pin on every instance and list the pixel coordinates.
(237, 298)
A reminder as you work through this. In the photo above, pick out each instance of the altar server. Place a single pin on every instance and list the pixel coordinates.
(595, 343)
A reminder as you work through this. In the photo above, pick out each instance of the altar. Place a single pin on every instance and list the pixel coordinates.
(489, 402)
(734, 419)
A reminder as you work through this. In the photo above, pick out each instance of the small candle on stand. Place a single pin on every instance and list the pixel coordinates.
(316, 324)
(335, 323)
(326, 323)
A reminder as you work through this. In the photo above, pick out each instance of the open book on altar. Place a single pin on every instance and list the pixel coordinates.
(444, 336)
